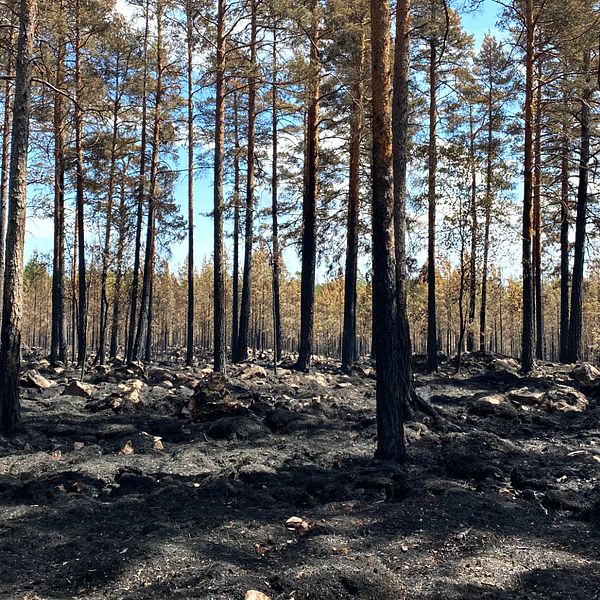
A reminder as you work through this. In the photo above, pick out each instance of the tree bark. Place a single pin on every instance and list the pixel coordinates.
(488, 215)
(537, 220)
(240, 352)
(527, 361)
(58, 342)
(309, 201)
(109, 220)
(80, 200)
(114, 336)
(276, 256)
(351, 267)
(564, 246)
(140, 197)
(8, 103)
(10, 336)
(391, 389)
(189, 355)
(574, 347)
(432, 345)
(473, 257)
(145, 316)
(219, 346)
(235, 305)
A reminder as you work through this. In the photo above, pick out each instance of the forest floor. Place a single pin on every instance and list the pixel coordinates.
(119, 496)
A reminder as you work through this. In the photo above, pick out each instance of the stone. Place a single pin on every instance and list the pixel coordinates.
(585, 372)
(32, 379)
(79, 389)
(211, 400)
(564, 398)
(507, 365)
(526, 396)
(256, 595)
(253, 372)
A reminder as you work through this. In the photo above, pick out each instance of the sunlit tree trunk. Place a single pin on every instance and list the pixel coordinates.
(10, 335)
(391, 389)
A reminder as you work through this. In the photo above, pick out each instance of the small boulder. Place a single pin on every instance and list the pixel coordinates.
(79, 389)
(253, 372)
(506, 365)
(585, 372)
(211, 400)
(32, 379)
(564, 398)
(526, 396)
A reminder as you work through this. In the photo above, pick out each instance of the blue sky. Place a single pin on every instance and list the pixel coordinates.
(39, 233)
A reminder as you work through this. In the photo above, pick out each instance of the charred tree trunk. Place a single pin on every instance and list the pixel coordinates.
(219, 258)
(80, 201)
(400, 123)
(432, 346)
(235, 305)
(574, 348)
(473, 257)
(351, 270)
(114, 335)
(537, 220)
(189, 355)
(10, 336)
(391, 388)
(145, 316)
(101, 358)
(564, 247)
(240, 352)
(135, 282)
(276, 257)
(8, 106)
(528, 175)
(58, 342)
(309, 201)
(488, 218)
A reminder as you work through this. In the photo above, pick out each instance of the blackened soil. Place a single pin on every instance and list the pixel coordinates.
(498, 500)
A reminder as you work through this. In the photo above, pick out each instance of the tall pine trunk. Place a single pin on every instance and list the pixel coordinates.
(240, 351)
(58, 342)
(564, 245)
(10, 335)
(527, 326)
(219, 346)
(473, 256)
(309, 200)
(390, 387)
(6, 127)
(189, 355)
(116, 315)
(80, 200)
(487, 216)
(400, 124)
(537, 220)
(145, 316)
(235, 305)
(276, 257)
(135, 282)
(351, 268)
(101, 359)
(432, 345)
(574, 347)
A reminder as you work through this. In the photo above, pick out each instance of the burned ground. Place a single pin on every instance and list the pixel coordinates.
(119, 495)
